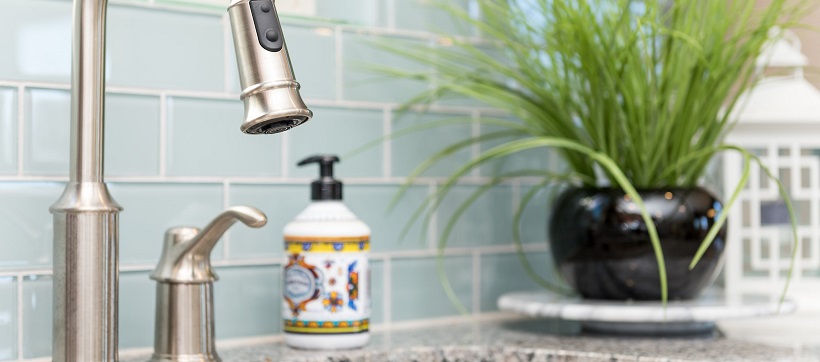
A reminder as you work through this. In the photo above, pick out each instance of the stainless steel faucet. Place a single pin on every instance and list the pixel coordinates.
(86, 217)
(184, 326)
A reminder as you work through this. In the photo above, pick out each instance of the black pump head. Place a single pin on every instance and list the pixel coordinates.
(326, 187)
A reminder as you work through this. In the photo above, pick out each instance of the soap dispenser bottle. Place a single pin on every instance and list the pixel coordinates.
(326, 290)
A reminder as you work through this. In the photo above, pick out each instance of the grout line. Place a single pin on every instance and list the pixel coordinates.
(285, 153)
(226, 202)
(387, 145)
(389, 29)
(390, 9)
(271, 261)
(29, 84)
(263, 180)
(476, 282)
(230, 96)
(163, 135)
(387, 296)
(226, 52)
(475, 148)
(516, 196)
(20, 316)
(21, 123)
(339, 54)
(432, 233)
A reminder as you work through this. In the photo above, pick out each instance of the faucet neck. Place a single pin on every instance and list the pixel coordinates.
(88, 91)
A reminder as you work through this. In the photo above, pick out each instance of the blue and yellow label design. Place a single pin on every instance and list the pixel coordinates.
(327, 327)
(327, 245)
(326, 285)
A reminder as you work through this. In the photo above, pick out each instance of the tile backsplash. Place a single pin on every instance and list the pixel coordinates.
(175, 156)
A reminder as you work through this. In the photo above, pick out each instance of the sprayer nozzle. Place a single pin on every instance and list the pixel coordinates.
(269, 88)
(272, 126)
(274, 107)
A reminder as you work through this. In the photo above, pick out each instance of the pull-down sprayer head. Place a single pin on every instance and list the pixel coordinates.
(269, 88)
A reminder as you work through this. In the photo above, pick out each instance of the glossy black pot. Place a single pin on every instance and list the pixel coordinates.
(602, 249)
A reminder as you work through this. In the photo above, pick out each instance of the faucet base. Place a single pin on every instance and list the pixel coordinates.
(185, 358)
(85, 286)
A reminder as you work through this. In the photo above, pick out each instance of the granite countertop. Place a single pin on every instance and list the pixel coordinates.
(523, 340)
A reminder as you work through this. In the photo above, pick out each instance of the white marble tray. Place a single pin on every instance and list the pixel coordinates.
(642, 317)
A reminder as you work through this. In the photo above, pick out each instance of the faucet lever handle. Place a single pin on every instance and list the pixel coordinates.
(186, 255)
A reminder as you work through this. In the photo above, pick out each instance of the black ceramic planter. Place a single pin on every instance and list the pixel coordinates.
(602, 249)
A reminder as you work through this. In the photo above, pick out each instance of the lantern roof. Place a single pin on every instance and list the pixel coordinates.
(783, 53)
(780, 99)
(790, 99)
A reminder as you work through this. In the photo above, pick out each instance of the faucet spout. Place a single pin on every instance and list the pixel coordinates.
(205, 241)
(186, 255)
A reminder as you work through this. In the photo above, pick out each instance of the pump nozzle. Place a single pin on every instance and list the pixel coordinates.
(326, 187)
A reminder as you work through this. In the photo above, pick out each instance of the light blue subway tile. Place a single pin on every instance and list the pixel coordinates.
(47, 130)
(36, 50)
(428, 15)
(358, 12)
(534, 159)
(535, 217)
(362, 82)
(371, 202)
(537, 159)
(136, 313)
(248, 301)
(165, 49)
(26, 223)
(137, 310)
(232, 79)
(502, 274)
(37, 309)
(150, 209)
(204, 140)
(377, 292)
(312, 51)
(496, 54)
(281, 203)
(412, 149)
(417, 290)
(488, 221)
(8, 130)
(338, 131)
(8, 318)
(132, 133)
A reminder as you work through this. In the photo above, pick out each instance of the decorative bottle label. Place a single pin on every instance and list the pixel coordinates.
(326, 285)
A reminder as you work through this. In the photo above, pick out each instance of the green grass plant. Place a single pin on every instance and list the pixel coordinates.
(634, 94)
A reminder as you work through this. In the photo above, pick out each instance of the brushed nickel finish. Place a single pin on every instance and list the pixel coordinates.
(269, 87)
(86, 217)
(184, 325)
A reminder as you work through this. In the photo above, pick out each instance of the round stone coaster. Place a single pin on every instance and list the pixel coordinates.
(696, 316)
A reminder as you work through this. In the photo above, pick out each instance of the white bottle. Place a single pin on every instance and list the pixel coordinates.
(326, 290)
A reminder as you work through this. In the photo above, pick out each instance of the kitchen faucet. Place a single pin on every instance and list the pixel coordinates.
(86, 217)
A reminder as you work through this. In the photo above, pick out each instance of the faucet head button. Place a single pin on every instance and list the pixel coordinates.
(265, 8)
(272, 35)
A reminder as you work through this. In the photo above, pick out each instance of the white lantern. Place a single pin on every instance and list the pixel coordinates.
(779, 120)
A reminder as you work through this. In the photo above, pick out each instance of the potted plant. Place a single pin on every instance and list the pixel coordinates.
(635, 98)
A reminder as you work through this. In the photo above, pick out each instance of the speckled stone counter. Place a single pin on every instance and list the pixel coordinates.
(531, 340)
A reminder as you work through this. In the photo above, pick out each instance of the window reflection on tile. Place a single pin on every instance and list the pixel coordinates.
(37, 327)
(8, 318)
(8, 130)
